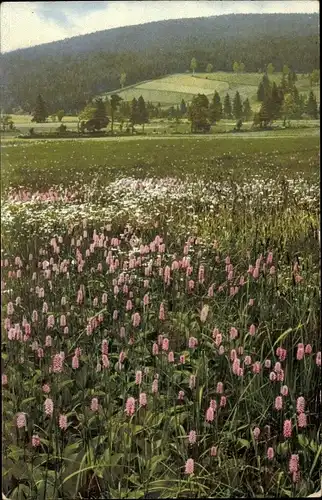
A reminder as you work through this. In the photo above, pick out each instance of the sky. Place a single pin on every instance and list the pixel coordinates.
(25, 24)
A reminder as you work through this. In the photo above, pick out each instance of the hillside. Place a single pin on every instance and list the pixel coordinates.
(171, 89)
(70, 72)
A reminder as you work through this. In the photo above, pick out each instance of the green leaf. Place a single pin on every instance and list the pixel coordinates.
(243, 443)
(303, 440)
(282, 336)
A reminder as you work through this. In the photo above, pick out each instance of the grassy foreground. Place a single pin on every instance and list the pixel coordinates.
(161, 326)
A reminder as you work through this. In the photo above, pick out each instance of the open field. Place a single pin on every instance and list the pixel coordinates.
(161, 317)
(171, 89)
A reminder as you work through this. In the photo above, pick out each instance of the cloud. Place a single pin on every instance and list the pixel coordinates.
(25, 24)
(65, 13)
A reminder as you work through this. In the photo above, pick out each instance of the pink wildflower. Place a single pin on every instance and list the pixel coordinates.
(161, 312)
(94, 404)
(220, 388)
(35, 441)
(204, 313)
(171, 357)
(300, 404)
(192, 381)
(287, 429)
(256, 433)
(301, 420)
(189, 468)
(233, 333)
(46, 388)
(278, 403)
(49, 407)
(308, 349)
(192, 437)
(130, 406)
(293, 464)
(138, 377)
(223, 401)
(213, 451)
(193, 342)
(63, 422)
(165, 344)
(143, 399)
(252, 330)
(270, 453)
(284, 390)
(210, 414)
(75, 362)
(21, 420)
(256, 367)
(181, 395)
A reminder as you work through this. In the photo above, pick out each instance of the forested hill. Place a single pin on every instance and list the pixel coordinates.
(69, 72)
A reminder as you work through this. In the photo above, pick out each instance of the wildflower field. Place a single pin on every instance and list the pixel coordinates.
(161, 318)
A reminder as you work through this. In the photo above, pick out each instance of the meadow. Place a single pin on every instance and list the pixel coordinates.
(171, 89)
(161, 324)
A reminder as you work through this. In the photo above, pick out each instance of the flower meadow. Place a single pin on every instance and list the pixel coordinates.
(161, 337)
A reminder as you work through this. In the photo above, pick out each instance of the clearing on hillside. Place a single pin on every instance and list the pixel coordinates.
(171, 89)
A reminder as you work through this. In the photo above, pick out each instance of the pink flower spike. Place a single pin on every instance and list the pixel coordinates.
(189, 468)
(256, 433)
(287, 429)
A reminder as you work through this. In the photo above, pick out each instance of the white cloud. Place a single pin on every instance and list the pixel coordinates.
(25, 24)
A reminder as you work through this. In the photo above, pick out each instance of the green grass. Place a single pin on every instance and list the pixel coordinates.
(37, 164)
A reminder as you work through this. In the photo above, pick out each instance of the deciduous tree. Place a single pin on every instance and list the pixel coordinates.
(193, 65)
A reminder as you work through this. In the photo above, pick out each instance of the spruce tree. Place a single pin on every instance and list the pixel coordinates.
(115, 102)
(134, 114)
(237, 106)
(247, 110)
(227, 107)
(311, 106)
(183, 107)
(275, 101)
(100, 113)
(40, 113)
(216, 108)
(142, 112)
(261, 92)
(264, 114)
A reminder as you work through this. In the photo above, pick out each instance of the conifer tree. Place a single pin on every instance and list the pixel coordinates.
(40, 113)
(237, 106)
(247, 110)
(227, 107)
(143, 116)
(311, 106)
(216, 108)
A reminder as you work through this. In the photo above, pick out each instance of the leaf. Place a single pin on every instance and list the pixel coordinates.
(25, 401)
(243, 443)
(314, 446)
(282, 448)
(155, 461)
(316, 459)
(282, 336)
(303, 440)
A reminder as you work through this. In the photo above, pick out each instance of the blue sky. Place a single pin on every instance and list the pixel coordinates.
(25, 24)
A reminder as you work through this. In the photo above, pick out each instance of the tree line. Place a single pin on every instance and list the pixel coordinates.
(281, 100)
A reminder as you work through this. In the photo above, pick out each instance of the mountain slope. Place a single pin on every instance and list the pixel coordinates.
(71, 71)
